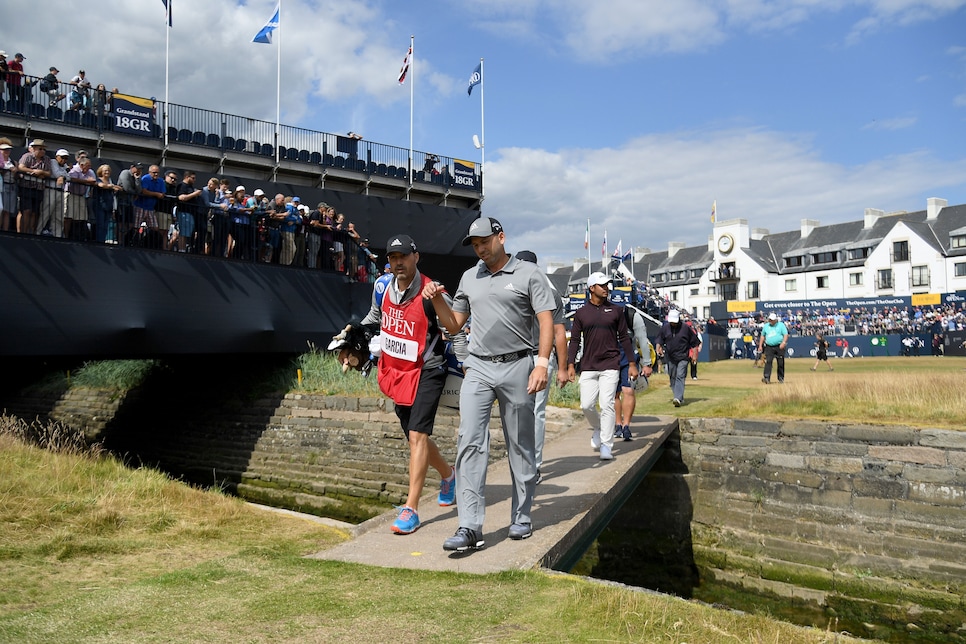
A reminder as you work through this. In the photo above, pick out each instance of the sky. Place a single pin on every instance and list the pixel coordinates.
(636, 115)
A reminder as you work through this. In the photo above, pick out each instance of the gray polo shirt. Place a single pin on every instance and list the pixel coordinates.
(503, 306)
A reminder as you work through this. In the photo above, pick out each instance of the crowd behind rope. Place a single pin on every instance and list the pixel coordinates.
(64, 196)
(930, 320)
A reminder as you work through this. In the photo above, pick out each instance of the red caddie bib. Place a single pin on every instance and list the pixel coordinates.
(403, 338)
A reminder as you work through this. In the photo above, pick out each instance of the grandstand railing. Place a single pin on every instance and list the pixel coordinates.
(192, 126)
(105, 217)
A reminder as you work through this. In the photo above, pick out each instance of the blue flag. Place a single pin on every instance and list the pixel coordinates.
(265, 35)
(167, 9)
(475, 79)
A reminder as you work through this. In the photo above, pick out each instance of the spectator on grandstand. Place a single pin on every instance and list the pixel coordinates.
(103, 197)
(34, 168)
(80, 180)
(16, 86)
(338, 248)
(8, 173)
(352, 238)
(328, 238)
(101, 101)
(191, 216)
(366, 262)
(130, 182)
(289, 219)
(50, 86)
(80, 93)
(315, 229)
(166, 209)
(152, 190)
(218, 215)
(4, 70)
(240, 214)
(52, 209)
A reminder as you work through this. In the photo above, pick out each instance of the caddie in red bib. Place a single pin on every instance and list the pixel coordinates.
(403, 341)
(412, 371)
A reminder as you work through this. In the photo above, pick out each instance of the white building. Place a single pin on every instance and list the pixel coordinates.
(881, 255)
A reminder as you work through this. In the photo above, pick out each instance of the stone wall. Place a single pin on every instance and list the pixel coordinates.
(867, 522)
(336, 456)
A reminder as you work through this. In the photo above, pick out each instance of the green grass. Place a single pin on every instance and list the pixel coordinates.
(95, 552)
(918, 392)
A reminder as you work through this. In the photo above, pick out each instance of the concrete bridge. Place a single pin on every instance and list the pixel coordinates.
(576, 500)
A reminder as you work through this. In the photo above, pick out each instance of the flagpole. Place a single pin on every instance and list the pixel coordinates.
(278, 88)
(167, 42)
(412, 92)
(589, 271)
(482, 134)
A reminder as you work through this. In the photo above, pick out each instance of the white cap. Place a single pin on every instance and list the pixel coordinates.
(240, 189)
(598, 278)
(673, 316)
(772, 316)
(259, 192)
(62, 153)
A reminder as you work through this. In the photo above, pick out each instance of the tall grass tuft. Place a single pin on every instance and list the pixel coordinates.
(51, 435)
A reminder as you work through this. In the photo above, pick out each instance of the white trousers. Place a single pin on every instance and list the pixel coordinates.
(599, 388)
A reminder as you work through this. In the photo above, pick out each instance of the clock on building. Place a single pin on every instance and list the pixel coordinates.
(726, 243)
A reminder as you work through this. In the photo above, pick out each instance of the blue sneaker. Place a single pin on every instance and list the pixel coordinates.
(407, 522)
(447, 490)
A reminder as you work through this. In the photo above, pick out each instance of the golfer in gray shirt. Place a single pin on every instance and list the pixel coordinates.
(506, 296)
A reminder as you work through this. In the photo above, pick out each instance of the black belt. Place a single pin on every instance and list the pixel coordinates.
(505, 357)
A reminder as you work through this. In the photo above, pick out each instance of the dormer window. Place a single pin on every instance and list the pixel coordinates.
(957, 241)
(792, 262)
(825, 258)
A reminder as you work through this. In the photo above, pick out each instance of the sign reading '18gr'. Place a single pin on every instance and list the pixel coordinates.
(133, 115)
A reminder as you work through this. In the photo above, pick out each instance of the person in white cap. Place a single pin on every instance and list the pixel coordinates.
(600, 326)
(773, 340)
(674, 342)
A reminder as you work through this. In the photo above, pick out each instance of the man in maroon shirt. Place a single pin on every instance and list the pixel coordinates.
(602, 327)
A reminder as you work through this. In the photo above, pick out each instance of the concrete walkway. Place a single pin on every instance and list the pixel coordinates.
(577, 491)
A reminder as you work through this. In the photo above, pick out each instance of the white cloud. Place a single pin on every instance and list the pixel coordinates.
(660, 188)
(601, 31)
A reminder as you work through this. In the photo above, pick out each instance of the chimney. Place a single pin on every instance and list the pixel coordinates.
(673, 248)
(710, 243)
(933, 206)
(871, 216)
(808, 225)
(759, 233)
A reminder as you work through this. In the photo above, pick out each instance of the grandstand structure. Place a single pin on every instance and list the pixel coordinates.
(73, 298)
(884, 259)
(129, 128)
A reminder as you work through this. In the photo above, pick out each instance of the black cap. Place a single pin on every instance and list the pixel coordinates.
(400, 244)
(482, 227)
(527, 256)
(138, 165)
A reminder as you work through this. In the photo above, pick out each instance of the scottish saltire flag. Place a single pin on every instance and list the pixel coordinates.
(587, 237)
(714, 206)
(475, 79)
(167, 9)
(265, 35)
(405, 66)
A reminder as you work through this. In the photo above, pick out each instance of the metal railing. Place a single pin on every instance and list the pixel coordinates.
(102, 216)
(90, 108)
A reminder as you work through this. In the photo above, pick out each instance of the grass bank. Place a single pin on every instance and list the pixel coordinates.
(93, 551)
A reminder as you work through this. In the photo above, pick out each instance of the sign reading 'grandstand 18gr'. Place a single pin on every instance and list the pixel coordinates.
(133, 114)
(464, 174)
